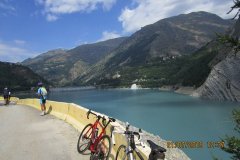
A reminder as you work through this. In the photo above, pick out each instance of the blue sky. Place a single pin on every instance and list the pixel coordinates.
(31, 27)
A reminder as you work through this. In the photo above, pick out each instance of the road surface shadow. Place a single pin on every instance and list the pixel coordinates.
(49, 110)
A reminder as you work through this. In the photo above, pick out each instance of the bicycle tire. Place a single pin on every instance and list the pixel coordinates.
(99, 153)
(139, 155)
(118, 155)
(81, 151)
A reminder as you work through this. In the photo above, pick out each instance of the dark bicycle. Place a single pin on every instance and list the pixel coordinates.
(97, 142)
(128, 152)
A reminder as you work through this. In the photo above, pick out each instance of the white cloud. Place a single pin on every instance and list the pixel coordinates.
(6, 6)
(10, 53)
(19, 42)
(6, 9)
(149, 11)
(81, 42)
(51, 17)
(109, 35)
(54, 8)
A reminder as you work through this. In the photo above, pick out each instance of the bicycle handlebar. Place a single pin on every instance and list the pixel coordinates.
(132, 133)
(90, 112)
(127, 132)
(100, 117)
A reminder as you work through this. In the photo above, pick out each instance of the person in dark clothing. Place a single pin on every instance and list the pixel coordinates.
(6, 95)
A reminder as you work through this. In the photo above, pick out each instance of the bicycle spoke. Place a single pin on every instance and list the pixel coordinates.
(84, 143)
(103, 148)
(84, 139)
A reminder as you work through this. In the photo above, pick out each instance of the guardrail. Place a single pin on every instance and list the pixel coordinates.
(15, 99)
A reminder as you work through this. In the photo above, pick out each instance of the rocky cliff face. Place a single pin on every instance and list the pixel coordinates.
(223, 83)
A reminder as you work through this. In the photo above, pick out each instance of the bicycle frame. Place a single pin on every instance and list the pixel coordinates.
(95, 138)
(131, 148)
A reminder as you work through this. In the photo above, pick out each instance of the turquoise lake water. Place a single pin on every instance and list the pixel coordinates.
(172, 116)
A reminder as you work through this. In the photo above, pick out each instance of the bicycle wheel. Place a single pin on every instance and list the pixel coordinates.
(121, 153)
(84, 139)
(103, 148)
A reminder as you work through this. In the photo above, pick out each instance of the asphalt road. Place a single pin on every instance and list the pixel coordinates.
(25, 135)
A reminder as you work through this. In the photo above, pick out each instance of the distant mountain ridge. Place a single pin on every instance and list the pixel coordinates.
(164, 53)
(63, 66)
(168, 38)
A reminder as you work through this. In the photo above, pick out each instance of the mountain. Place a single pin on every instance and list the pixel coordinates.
(145, 55)
(18, 77)
(62, 66)
(223, 82)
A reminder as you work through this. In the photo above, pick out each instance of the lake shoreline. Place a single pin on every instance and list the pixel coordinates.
(181, 90)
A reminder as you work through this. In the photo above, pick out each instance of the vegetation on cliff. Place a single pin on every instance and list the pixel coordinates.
(232, 143)
(189, 70)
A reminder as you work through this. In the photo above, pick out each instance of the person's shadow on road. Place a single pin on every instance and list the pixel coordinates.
(49, 110)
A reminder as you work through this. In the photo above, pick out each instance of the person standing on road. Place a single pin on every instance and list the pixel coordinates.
(6, 95)
(42, 93)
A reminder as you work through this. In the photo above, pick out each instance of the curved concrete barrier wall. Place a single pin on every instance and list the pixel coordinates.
(76, 116)
(15, 99)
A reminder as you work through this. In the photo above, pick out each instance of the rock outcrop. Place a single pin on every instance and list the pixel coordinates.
(223, 83)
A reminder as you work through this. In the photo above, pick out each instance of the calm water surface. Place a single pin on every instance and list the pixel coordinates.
(172, 116)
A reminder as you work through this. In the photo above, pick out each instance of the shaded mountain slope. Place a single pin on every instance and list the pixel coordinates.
(18, 77)
(62, 66)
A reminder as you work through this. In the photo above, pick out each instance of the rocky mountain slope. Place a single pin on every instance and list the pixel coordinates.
(154, 45)
(18, 77)
(223, 83)
(62, 66)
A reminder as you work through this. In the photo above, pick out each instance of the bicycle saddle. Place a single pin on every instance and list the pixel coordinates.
(112, 119)
(155, 147)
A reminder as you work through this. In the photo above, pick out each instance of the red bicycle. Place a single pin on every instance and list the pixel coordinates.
(99, 144)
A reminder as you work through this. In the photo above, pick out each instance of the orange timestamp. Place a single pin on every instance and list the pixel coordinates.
(215, 144)
(195, 144)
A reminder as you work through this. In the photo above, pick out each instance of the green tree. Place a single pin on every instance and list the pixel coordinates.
(232, 40)
(229, 42)
(235, 6)
(232, 143)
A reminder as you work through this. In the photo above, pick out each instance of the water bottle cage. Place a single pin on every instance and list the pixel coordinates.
(96, 133)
